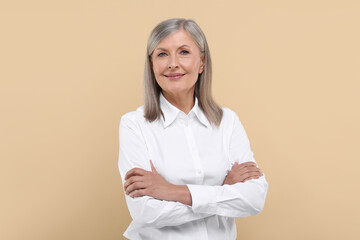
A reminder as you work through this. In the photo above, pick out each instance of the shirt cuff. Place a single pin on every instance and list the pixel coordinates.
(203, 197)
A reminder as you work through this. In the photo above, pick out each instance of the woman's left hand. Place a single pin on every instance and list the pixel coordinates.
(139, 182)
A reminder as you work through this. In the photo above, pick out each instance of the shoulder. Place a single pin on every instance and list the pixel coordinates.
(133, 118)
(229, 116)
(231, 119)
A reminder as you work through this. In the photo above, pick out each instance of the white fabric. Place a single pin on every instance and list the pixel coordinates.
(187, 150)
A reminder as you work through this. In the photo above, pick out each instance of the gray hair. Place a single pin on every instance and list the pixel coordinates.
(203, 84)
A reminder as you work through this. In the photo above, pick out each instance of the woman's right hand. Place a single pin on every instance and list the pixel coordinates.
(242, 172)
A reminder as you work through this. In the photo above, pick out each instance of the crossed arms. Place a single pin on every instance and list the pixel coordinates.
(154, 201)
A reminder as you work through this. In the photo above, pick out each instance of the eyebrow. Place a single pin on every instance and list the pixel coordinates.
(163, 49)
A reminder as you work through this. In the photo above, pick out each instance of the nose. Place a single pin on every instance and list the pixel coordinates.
(173, 62)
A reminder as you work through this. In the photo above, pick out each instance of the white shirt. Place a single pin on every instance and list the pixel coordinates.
(187, 150)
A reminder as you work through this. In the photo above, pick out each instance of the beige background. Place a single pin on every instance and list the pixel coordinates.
(70, 69)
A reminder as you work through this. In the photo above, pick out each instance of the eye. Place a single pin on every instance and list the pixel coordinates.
(162, 54)
(184, 52)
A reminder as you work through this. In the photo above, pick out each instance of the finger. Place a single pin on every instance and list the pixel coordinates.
(152, 167)
(244, 170)
(241, 178)
(251, 174)
(134, 172)
(251, 169)
(234, 166)
(138, 193)
(252, 177)
(247, 164)
(133, 179)
(135, 186)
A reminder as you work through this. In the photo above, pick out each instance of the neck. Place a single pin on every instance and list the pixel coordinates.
(184, 102)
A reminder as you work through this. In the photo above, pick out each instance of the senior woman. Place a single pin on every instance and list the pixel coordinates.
(186, 164)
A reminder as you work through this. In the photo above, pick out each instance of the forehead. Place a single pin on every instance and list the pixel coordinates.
(176, 39)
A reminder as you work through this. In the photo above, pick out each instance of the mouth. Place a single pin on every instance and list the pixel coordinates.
(174, 76)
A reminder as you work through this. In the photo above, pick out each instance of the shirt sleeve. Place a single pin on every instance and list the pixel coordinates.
(146, 210)
(237, 200)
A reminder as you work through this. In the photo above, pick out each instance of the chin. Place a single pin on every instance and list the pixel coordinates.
(175, 89)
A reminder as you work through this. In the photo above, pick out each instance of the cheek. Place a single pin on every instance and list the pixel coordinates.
(155, 70)
(158, 71)
(158, 67)
(192, 66)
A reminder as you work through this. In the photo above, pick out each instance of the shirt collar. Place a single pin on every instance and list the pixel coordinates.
(171, 112)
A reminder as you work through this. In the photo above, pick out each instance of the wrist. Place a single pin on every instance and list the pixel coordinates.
(181, 193)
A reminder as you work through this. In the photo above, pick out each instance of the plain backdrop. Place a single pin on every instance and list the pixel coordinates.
(70, 69)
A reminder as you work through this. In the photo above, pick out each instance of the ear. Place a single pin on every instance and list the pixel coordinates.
(202, 64)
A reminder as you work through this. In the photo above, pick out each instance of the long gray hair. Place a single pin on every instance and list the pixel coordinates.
(203, 84)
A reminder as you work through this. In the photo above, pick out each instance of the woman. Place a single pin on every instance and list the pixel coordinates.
(186, 164)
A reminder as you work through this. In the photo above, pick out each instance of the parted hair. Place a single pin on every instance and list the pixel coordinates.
(203, 84)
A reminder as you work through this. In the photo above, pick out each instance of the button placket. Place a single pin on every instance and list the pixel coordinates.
(195, 155)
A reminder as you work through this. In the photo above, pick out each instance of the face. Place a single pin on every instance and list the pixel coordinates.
(177, 63)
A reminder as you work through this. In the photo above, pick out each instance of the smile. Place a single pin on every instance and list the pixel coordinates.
(174, 76)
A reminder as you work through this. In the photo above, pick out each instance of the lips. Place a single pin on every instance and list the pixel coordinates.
(174, 76)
